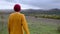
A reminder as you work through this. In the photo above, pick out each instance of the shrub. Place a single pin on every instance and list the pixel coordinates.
(36, 16)
(58, 29)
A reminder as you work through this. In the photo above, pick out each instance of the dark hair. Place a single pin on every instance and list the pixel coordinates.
(17, 8)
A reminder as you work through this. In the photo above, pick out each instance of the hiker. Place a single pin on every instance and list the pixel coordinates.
(17, 23)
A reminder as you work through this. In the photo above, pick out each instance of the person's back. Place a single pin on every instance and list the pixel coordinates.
(16, 23)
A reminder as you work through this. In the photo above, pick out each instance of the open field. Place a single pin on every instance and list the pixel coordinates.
(36, 25)
(43, 25)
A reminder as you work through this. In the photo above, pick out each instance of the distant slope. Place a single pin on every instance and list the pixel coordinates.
(41, 11)
(34, 11)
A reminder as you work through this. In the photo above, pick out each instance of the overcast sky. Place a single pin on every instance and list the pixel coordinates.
(42, 4)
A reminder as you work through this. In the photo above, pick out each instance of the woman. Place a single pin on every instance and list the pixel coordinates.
(17, 22)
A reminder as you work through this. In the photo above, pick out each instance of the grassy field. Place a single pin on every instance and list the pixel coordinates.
(40, 26)
(36, 25)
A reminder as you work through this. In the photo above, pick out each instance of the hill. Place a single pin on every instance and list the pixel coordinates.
(41, 11)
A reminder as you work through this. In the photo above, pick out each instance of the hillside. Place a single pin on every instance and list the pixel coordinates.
(34, 11)
(40, 11)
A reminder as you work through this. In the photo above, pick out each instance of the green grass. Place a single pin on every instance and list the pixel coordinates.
(36, 27)
(43, 29)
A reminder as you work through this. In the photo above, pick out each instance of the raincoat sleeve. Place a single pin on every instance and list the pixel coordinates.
(25, 25)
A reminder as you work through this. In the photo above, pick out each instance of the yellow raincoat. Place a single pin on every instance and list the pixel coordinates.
(17, 23)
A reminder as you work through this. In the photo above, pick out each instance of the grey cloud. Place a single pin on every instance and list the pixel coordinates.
(40, 3)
